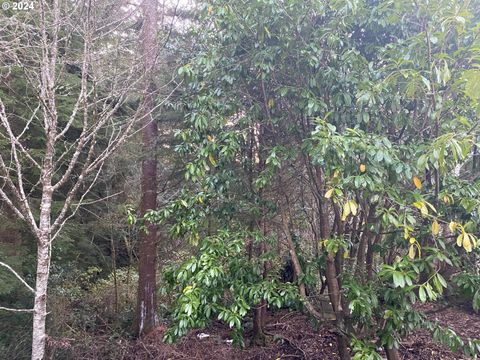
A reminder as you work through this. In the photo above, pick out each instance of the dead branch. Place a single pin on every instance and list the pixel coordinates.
(17, 276)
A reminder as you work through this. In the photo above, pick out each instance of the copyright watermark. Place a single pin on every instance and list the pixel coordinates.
(18, 6)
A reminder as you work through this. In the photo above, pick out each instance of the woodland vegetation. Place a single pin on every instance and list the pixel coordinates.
(299, 177)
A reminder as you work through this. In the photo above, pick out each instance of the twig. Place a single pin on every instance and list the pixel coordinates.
(15, 310)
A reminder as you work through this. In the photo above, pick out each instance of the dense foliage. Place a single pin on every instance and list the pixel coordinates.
(358, 114)
(328, 154)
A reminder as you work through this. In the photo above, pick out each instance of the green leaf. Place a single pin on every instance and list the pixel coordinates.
(421, 294)
(398, 279)
(472, 87)
(442, 280)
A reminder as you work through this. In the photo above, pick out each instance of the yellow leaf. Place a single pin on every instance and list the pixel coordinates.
(452, 226)
(417, 204)
(421, 206)
(346, 255)
(270, 103)
(411, 252)
(412, 240)
(467, 244)
(423, 209)
(329, 193)
(363, 168)
(187, 289)
(435, 228)
(212, 159)
(353, 207)
(431, 206)
(405, 233)
(210, 138)
(446, 199)
(417, 182)
(336, 173)
(474, 240)
(460, 239)
(419, 250)
(346, 210)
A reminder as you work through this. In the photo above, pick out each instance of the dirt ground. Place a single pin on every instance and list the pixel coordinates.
(294, 337)
(460, 319)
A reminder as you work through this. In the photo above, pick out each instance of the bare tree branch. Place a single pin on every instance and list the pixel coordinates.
(15, 310)
(17, 276)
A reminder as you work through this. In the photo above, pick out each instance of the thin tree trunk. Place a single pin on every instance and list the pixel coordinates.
(334, 291)
(369, 258)
(335, 299)
(115, 282)
(256, 164)
(258, 337)
(297, 268)
(364, 241)
(146, 316)
(43, 235)
(260, 313)
(39, 335)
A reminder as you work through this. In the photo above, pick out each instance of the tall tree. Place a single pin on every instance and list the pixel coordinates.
(146, 303)
(81, 75)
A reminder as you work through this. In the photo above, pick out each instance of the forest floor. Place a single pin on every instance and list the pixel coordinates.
(292, 336)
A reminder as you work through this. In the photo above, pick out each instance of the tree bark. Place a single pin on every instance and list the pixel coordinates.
(146, 316)
(43, 235)
(39, 335)
(369, 258)
(364, 241)
(259, 314)
(335, 298)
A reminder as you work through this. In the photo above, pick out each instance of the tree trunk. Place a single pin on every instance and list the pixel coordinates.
(43, 235)
(297, 268)
(146, 316)
(369, 258)
(39, 335)
(146, 304)
(260, 313)
(392, 354)
(364, 241)
(335, 299)
(256, 164)
(331, 274)
(258, 335)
